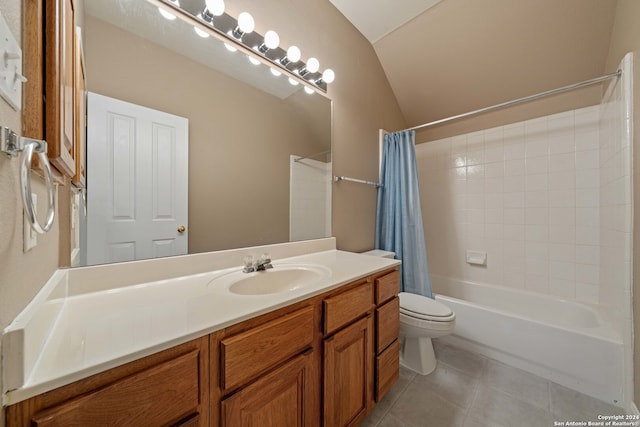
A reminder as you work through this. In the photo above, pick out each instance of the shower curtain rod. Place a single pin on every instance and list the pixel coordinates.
(311, 156)
(520, 100)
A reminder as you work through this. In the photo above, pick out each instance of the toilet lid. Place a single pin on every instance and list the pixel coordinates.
(422, 307)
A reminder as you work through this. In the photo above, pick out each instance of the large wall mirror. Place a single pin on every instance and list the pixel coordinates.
(246, 129)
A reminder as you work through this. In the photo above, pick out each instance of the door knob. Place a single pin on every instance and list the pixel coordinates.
(181, 229)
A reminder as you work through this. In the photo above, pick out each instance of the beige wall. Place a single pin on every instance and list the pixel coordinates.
(240, 138)
(465, 55)
(21, 275)
(363, 103)
(556, 104)
(625, 37)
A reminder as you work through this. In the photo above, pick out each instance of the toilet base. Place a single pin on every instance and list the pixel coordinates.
(417, 355)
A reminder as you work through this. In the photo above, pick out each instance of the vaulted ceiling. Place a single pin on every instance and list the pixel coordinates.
(454, 56)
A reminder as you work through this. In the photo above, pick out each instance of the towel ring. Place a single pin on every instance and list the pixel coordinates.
(39, 147)
(12, 144)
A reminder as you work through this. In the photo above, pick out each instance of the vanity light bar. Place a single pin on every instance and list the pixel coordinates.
(229, 30)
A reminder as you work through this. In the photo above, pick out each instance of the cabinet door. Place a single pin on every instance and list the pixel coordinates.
(348, 374)
(280, 398)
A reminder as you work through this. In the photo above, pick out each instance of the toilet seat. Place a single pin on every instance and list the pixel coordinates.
(424, 308)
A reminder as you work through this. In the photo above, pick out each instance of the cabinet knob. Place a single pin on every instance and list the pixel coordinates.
(181, 229)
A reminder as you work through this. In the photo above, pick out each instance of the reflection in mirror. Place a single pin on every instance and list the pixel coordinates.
(247, 131)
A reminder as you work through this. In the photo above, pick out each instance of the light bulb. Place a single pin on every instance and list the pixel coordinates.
(271, 39)
(215, 7)
(230, 48)
(246, 22)
(328, 76)
(308, 90)
(253, 60)
(293, 54)
(166, 14)
(275, 72)
(313, 65)
(200, 32)
(293, 82)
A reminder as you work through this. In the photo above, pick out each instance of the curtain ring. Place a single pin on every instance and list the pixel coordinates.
(25, 184)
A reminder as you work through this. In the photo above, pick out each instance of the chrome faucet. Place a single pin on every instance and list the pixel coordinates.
(262, 264)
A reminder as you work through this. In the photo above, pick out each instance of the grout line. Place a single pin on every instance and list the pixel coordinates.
(476, 391)
(522, 398)
(392, 402)
(549, 398)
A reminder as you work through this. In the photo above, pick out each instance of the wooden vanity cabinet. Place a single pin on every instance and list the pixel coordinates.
(169, 388)
(318, 362)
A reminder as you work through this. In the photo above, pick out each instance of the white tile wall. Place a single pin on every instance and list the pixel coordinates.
(528, 194)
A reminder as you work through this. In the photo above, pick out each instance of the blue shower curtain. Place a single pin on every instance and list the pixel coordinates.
(399, 216)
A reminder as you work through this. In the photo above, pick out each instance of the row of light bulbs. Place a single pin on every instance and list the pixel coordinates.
(245, 25)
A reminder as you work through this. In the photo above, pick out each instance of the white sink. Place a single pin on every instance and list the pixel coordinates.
(281, 278)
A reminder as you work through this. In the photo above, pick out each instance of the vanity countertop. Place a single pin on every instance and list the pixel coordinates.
(96, 331)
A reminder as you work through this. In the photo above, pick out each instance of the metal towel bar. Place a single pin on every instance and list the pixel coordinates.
(359, 181)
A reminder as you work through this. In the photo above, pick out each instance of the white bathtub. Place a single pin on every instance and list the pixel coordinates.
(566, 342)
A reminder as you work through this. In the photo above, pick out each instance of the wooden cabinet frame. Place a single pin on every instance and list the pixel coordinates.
(49, 102)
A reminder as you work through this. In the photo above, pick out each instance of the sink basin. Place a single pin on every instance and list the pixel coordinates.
(281, 278)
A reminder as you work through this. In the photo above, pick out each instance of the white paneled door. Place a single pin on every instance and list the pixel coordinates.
(137, 167)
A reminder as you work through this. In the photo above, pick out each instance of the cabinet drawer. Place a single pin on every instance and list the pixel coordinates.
(161, 395)
(249, 353)
(387, 324)
(387, 369)
(387, 286)
(347, 306)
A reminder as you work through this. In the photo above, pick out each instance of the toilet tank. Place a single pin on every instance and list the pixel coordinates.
(380, 253)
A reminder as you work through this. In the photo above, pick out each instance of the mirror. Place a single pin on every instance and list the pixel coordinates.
(246, 129)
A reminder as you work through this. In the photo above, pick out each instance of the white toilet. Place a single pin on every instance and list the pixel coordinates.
(421, 319)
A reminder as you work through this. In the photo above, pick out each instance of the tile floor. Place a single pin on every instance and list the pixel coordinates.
(470, 390)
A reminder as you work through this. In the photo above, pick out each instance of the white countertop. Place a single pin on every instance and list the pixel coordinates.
(96, 331)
